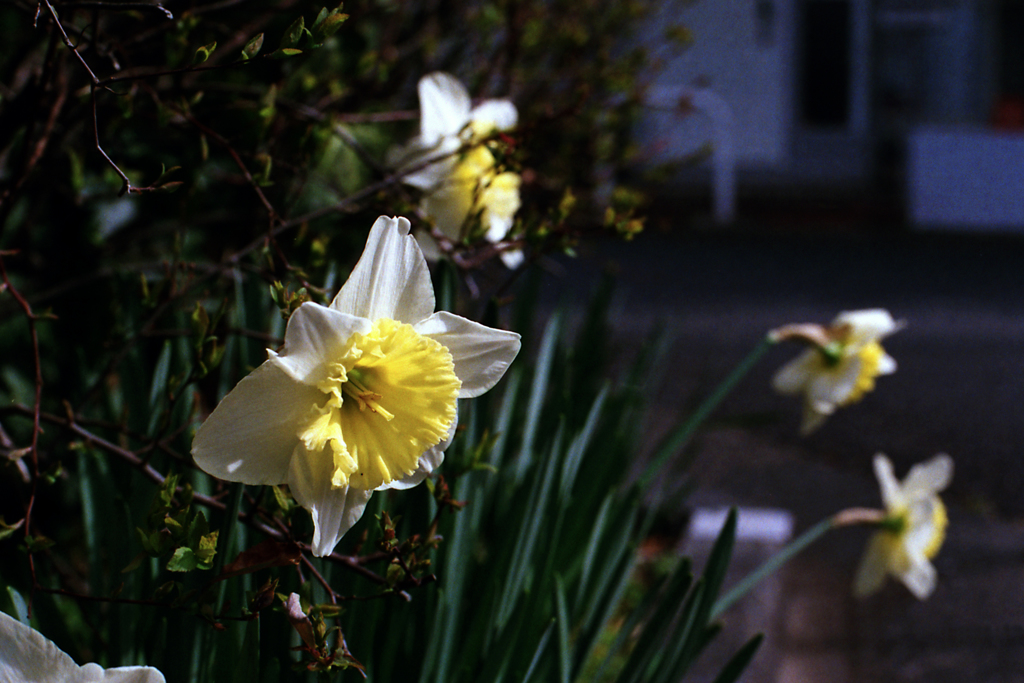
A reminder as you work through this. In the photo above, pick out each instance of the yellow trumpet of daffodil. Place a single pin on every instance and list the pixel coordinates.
(912, 528)
(363, 395)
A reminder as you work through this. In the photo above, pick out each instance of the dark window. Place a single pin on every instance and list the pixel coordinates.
(825, 60)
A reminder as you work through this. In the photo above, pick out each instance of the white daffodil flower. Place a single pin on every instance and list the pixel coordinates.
(842, 367)
(27, 656)
(363, 395)
(465, 185)
(911, 532)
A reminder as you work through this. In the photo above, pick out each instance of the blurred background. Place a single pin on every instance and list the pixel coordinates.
(794, 159)
(845, 154)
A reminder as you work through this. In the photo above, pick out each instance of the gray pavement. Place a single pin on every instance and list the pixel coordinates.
(959, 389)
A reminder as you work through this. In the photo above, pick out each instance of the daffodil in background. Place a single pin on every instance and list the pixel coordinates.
(27, 656)
(913, 527)
(363, 395)
(464, 187)
(841, 367)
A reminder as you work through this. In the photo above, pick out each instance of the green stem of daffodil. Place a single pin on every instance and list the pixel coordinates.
(671, 445)
(771, 565)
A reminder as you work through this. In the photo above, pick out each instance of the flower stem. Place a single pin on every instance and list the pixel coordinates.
(772, 565)
(677, 439)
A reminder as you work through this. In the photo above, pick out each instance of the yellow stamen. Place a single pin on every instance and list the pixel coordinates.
(364, 397)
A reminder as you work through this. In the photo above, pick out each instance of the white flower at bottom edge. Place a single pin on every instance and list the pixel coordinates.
(27, 656)
(913, 529)
(843, 371)
(363, 395)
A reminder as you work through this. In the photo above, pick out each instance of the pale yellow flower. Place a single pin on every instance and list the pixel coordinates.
(464, 187)
(27, 656)
(841, 367)
(912, 531)
(363, 395)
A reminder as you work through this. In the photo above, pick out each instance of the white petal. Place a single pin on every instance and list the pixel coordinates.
(428, 245)
(501, 113)
(429, 461)
(867, 325)
(27, 655)
(250, 436)
(873, 567)
(886, 365)
(793, 377)
(315, 336)
(391, 279)
(920, 578)
(334, 510)
(834, 386)
(498, 226)
(444, 105)
(512, 258)
(409, 160)
(448, 207)
(927, 478)
(481, 354)
(130, 674)
(892, 494)
(814, 416)
(921, 531)
(432, 176)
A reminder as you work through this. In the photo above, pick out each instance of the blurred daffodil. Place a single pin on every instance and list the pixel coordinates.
(912, 527)
(465, 186)
(27, 656)
(842, 365)
(363, 395)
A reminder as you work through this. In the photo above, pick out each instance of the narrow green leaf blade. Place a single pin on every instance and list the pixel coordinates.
(739, 661)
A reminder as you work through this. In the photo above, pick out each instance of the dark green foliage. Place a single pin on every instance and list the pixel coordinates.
(242, 163)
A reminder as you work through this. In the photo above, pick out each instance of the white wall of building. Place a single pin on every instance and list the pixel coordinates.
(742, 51)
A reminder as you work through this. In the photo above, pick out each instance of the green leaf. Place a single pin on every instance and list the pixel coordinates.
(183, 560)
(37, 543)
(564, 625)
(200, 325)
(732, 670)
(6, 530)
(164, 173)
(284, 52)
(538, 653)
(203, 53)
(252, 48)
(158, 387)
(293, 34)
(17, 607)
(207, 549)
(718, 563)
(538, 392)
(326, 25)
(248, 665)
(135, 563)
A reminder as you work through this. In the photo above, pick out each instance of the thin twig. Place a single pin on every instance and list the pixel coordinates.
(94, 83)
(99, 4)
(221, 140)
(36, 412)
